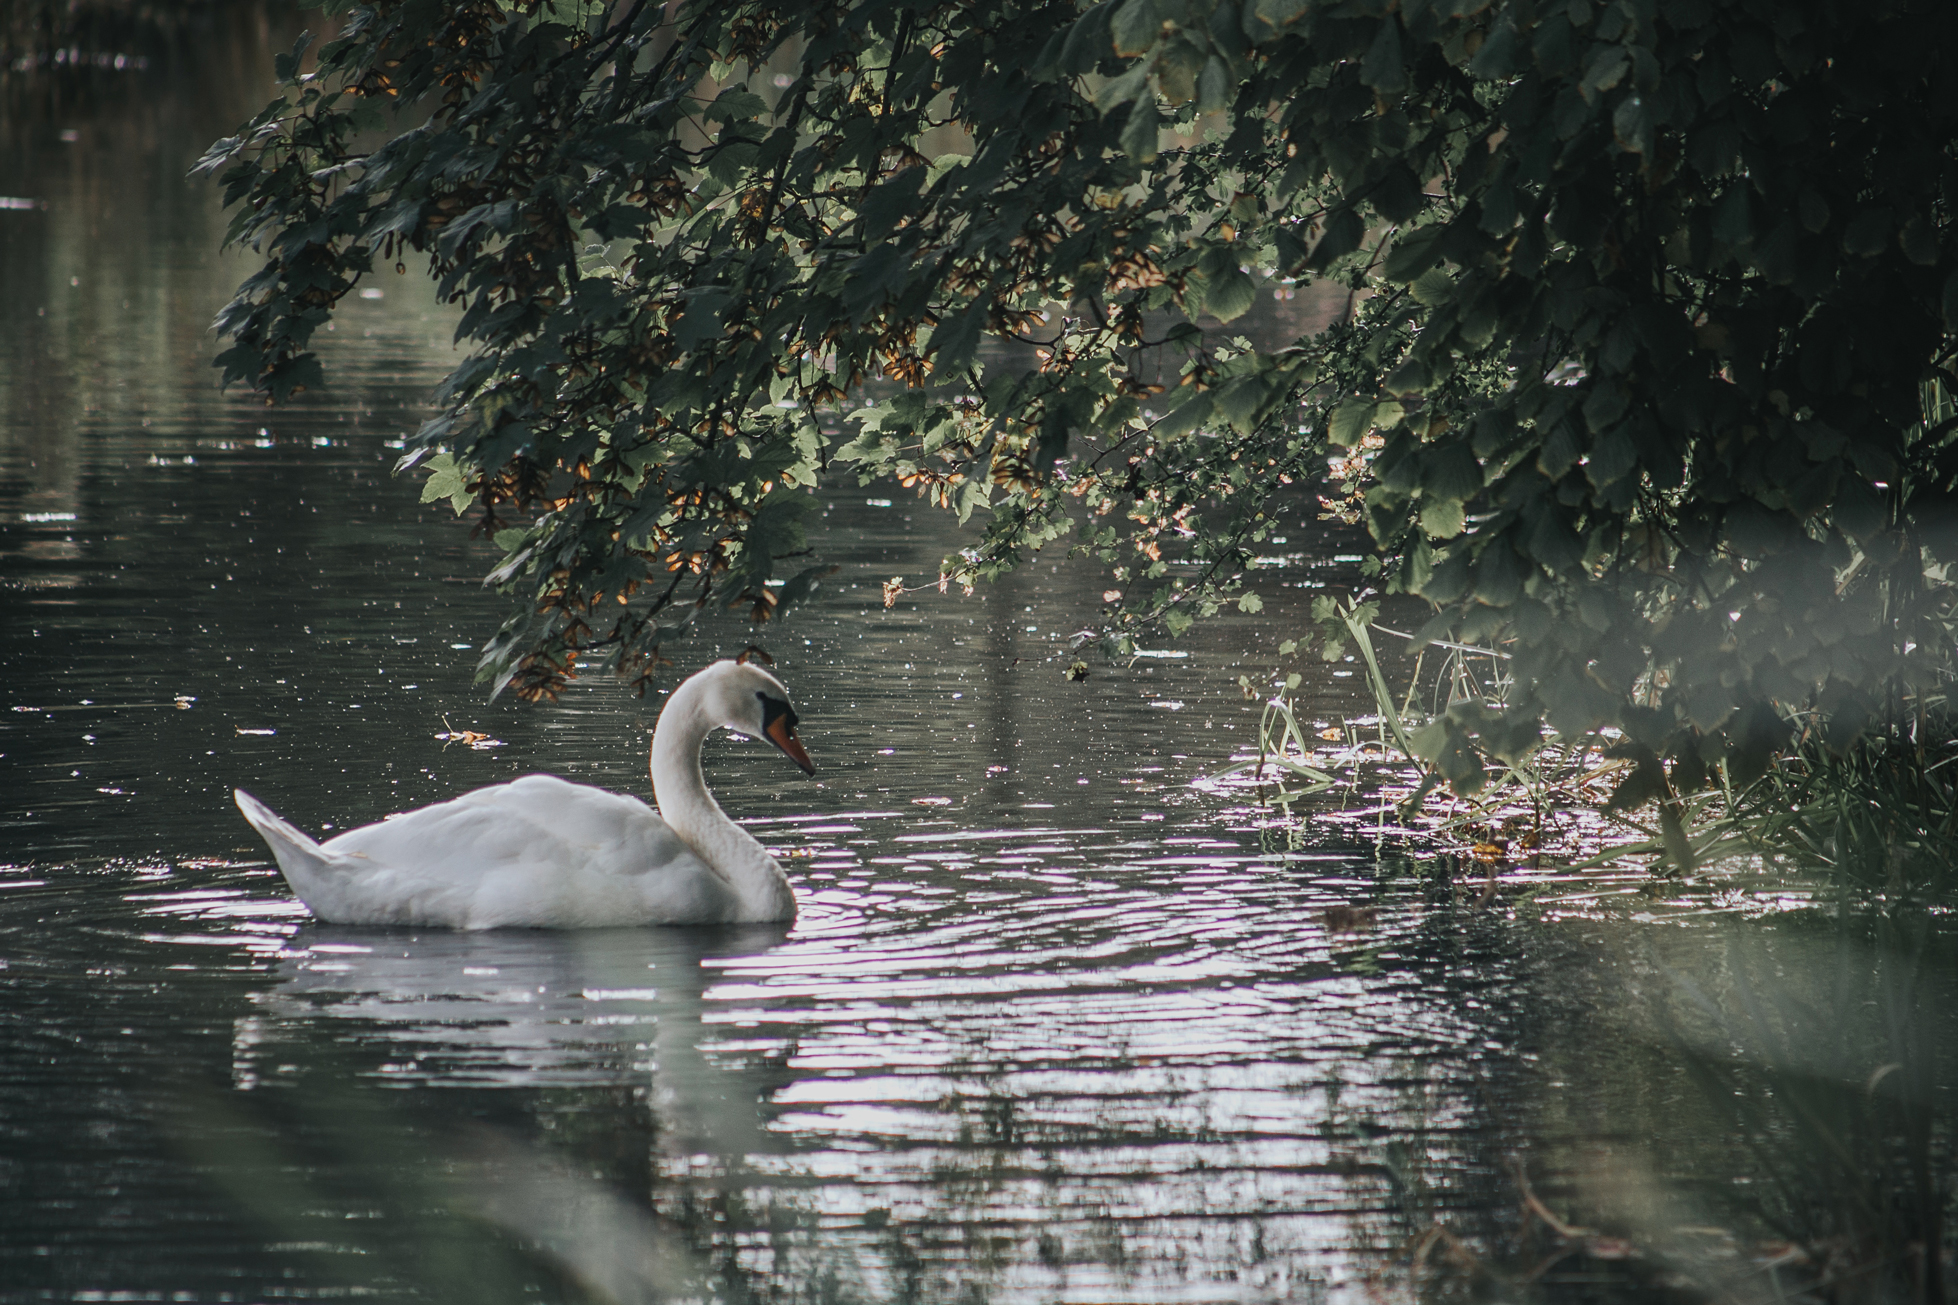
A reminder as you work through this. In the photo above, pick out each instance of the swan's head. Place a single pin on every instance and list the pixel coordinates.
(748, 700)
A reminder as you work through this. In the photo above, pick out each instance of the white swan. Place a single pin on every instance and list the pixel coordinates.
(542, 852)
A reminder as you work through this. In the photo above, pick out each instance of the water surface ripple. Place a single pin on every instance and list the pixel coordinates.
(1055, 1023)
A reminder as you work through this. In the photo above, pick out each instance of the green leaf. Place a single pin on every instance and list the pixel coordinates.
(1344, 231)
(1450, 471)
(1141, 134)
(1178, 62)
(1447, 748)
(703, 317)
(1350, 422)
(1230, 295)
(1613, 457)
(1412, 254)
(1408, 379)
(1733, 220)
(1645, 783)
(1559, 453)
(1499, 574)
(1605, 404)
(1708, 706)
(1859, 511)
(1184, 417)
(1442, 518)
(1088, 41)
(1554, 544)
(731, 160)
(1215, 86)
(1239, 402)
(1607, 69)
(1498, 56)
(1130, 86)
(974, 494)
(1631, 125)
(954, 342)
(1135, 27)
(1434, 288)
(1383, 68)
(1430, 739)
(285, 67)
(447, 481)
(890, 203)
(1919, 241)
(735, 104)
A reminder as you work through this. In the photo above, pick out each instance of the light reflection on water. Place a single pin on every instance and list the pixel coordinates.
(1130, 1051)
(1116, 1060)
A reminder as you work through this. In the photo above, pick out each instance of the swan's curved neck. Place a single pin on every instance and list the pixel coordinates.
(680, 791)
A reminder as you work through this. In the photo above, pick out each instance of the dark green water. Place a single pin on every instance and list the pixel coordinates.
(1059, 1021)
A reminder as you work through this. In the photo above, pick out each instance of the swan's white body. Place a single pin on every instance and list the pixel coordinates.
(542, 852)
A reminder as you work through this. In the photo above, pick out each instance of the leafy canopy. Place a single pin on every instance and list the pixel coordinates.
(1648, 293)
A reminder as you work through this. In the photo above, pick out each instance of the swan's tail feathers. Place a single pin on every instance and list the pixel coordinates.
(301, 860)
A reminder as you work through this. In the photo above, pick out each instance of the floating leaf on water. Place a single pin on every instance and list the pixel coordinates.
(451, 734)
(1077, 671)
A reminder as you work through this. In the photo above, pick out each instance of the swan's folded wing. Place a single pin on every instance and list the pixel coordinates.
(619, 834)
(536, 851)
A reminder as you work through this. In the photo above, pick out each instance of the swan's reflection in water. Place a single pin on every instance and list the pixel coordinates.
(518, 1008)
(599, 1032)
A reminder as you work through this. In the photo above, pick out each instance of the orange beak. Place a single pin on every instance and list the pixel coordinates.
(782, 735)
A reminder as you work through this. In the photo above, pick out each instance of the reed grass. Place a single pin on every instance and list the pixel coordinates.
(1877, 819)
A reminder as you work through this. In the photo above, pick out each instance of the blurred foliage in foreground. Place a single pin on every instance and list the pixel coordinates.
(1647, 297)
